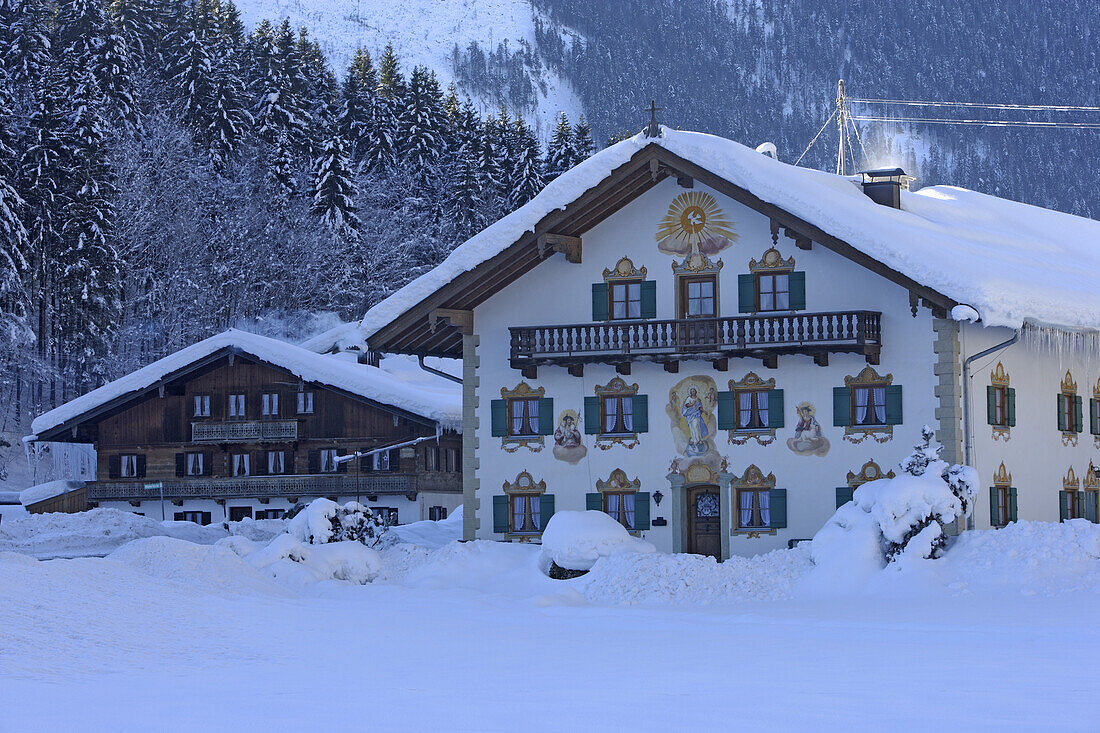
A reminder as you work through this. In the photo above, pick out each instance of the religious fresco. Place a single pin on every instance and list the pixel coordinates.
(808, 440)
(692, 409)
(695, 224)
(567, 438)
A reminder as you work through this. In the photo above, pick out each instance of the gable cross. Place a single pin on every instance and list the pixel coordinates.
(653, 129)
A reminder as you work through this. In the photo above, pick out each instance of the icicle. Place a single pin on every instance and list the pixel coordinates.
(1081, 347)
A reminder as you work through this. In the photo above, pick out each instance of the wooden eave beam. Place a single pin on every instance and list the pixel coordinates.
(569, 246)
(462, 320)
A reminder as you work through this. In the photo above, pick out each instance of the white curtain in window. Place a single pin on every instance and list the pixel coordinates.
(628, 510)
(744, 405)
(762, 407)
(626, 406)
(275, 461)
(532, 417)
(634, 297)
(763, 499)
(745, 499)
(861, 405)
(240, 464)
(611, 410)
(194, 464)
(613, 507)
(328, 460)
(236, 405)
(880, 405)
(535, 518)
(519, 510)
(129, 466)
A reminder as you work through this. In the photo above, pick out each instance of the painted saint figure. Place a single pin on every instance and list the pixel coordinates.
(692, 410)
(808, 440)
(567, 439)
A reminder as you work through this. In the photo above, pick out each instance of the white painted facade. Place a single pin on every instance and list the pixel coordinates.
(558, 292)
(407, 511)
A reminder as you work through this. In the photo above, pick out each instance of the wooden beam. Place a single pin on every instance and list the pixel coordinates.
(672, 367)
(872, 354)
(569, 246)
(623, 367)
(685, 181)
(804, 243)
(821, 358)
(575, 370)
(914, 302)
(530, 372)
(771, 361)
(654, 168)
(722, 365)
(463, 320)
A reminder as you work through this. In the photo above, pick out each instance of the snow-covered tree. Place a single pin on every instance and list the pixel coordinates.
(561, 153)
(334, 189)
(526, 175)
(24, 40)
(583, 144)
(14, 243)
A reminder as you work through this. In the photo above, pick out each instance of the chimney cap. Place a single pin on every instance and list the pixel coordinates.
(878, 174)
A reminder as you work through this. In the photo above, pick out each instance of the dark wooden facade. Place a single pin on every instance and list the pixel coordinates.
(160, 426)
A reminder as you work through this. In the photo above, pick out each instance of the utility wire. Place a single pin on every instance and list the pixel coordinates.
(982, 105)
(988, 123)
(816, 136)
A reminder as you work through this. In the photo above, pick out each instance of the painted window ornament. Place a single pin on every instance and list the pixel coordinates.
(568, 445)
(695, 223)
(692, 409)
(808, 440)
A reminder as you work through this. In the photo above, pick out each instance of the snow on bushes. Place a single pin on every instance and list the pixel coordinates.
(324, 521)
(900, 517)
(573, 541)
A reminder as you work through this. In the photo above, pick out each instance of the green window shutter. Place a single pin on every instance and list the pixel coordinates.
(641, 413)
(775, 408)
(500, 418)
(993, 506)
(593, 502)
(843, 495)
(842, 406)
(641, 511)
(727, 411)
(1090, 506)
(592, 415)
(500, 514)
(1077, 413)
(1012, 504)
(893, 404)
(599, 301)
(746, 294)
(546, 509)
(649, 298)
(546, 416)
(777, 507)
(1063, 505)
(1092, 417)
(1011, 407)
(991, 405)
(797, 281)
(1061, 414)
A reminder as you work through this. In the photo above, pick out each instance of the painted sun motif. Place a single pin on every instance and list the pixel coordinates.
(694, 222)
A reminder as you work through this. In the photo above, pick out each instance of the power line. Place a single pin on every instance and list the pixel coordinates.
(816, 137)
(986, 123)
(981, 105)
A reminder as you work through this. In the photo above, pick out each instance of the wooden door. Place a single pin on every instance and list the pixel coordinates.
(704, 521)
(698, 310)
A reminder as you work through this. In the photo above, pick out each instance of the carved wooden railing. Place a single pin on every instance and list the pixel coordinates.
(857, 331)
(277, 486)
(243, 431)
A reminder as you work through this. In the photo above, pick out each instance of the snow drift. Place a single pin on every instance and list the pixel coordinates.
(576, 540)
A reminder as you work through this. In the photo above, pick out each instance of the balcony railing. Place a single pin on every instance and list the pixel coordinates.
(244, 431)
(616, 341)
(275, 486)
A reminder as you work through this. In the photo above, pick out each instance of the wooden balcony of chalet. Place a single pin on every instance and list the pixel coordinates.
(244, 431)
(288, 487)
(717, 339)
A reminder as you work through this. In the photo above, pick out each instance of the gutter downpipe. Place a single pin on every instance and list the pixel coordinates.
(437, 372)
(966, 401)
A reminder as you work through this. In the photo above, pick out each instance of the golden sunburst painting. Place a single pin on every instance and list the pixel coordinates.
(695, 222)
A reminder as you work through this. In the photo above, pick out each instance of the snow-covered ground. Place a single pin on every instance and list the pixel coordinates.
(167, 635)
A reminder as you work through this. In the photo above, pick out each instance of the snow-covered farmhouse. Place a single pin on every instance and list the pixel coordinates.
(240, 425)
(717, 348)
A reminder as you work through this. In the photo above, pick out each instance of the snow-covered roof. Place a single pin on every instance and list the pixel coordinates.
(1011, 261)
(48, 490)
(395, 383)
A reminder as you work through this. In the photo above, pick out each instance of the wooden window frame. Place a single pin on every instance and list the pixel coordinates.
(528, 513)
(683, 299)
(1069, 412)
(754, 408)
(334, 452)
(620, 415)
(622, 512)
(276, 457)
(270, 513)
(304, 403)
(1004, 505)
(758, 524)
(611, 300)
(122, 462)
(235, 399)
(200, 405)
(853, 399)
(759, 292)
(1000, 406)
(529, 418)
(269, 405)
(187, 463)
(233, 464)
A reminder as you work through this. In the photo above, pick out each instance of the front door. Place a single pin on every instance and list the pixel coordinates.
(704, 520)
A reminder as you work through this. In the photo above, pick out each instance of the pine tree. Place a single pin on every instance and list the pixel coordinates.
(14, 243)
(334, 189)
(192, 77)
(138, 22)
(422, 124)
(381, 148)
(114, 70)
(560, 154)
(24, 40)
(391, 85)
(583, 144)
(526, 180)
(357, 105)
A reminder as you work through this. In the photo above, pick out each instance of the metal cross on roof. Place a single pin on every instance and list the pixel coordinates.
(653, 129)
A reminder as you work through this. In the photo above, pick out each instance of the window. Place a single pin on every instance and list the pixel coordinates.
(128, 465)
(270, 513)
(202, 405)
(869, 405)
(437, 513)
(752, 409)
(452, 459)
(753, 509)
(305, 403)
(195, 465)
(241, 464)
(773, 291)
(1001, 509)
(269, 403)
(1067, 414)
(381, 461)
(238, 513)
(626, 299)
(328, 460)
(699, 297)
(617, 414)
(620, 507)
(523, 417)
(525, 513)
(236, 406)
(431, 458)
(276, 462)
(1072, 505)
(1000, 405)
(202, 518)
(387, 513)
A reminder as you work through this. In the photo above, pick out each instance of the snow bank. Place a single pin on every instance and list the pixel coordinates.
(298, 565)
(48, 490)
(323, 521)
(258, 530)
(431, 534)
(576, 540)
(212, 569)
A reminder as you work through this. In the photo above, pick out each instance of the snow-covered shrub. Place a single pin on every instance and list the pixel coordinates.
(900, 517)
(324, 521)
(299, 564)
(573, 541)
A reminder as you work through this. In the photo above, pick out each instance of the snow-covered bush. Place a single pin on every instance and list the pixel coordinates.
(299, 564)
(324, 521)
(900, 517)
(573, 541)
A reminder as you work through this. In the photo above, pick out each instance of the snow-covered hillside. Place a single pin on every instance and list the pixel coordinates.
(422, 32)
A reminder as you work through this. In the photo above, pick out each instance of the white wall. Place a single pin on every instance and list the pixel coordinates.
(407, 511)
(1034, 453)
(557, 292)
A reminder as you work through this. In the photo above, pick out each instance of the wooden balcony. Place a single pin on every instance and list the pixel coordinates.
(244, 431)
(289, 487)
(762, 336)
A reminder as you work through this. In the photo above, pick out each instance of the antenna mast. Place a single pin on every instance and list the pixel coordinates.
(841, 125)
